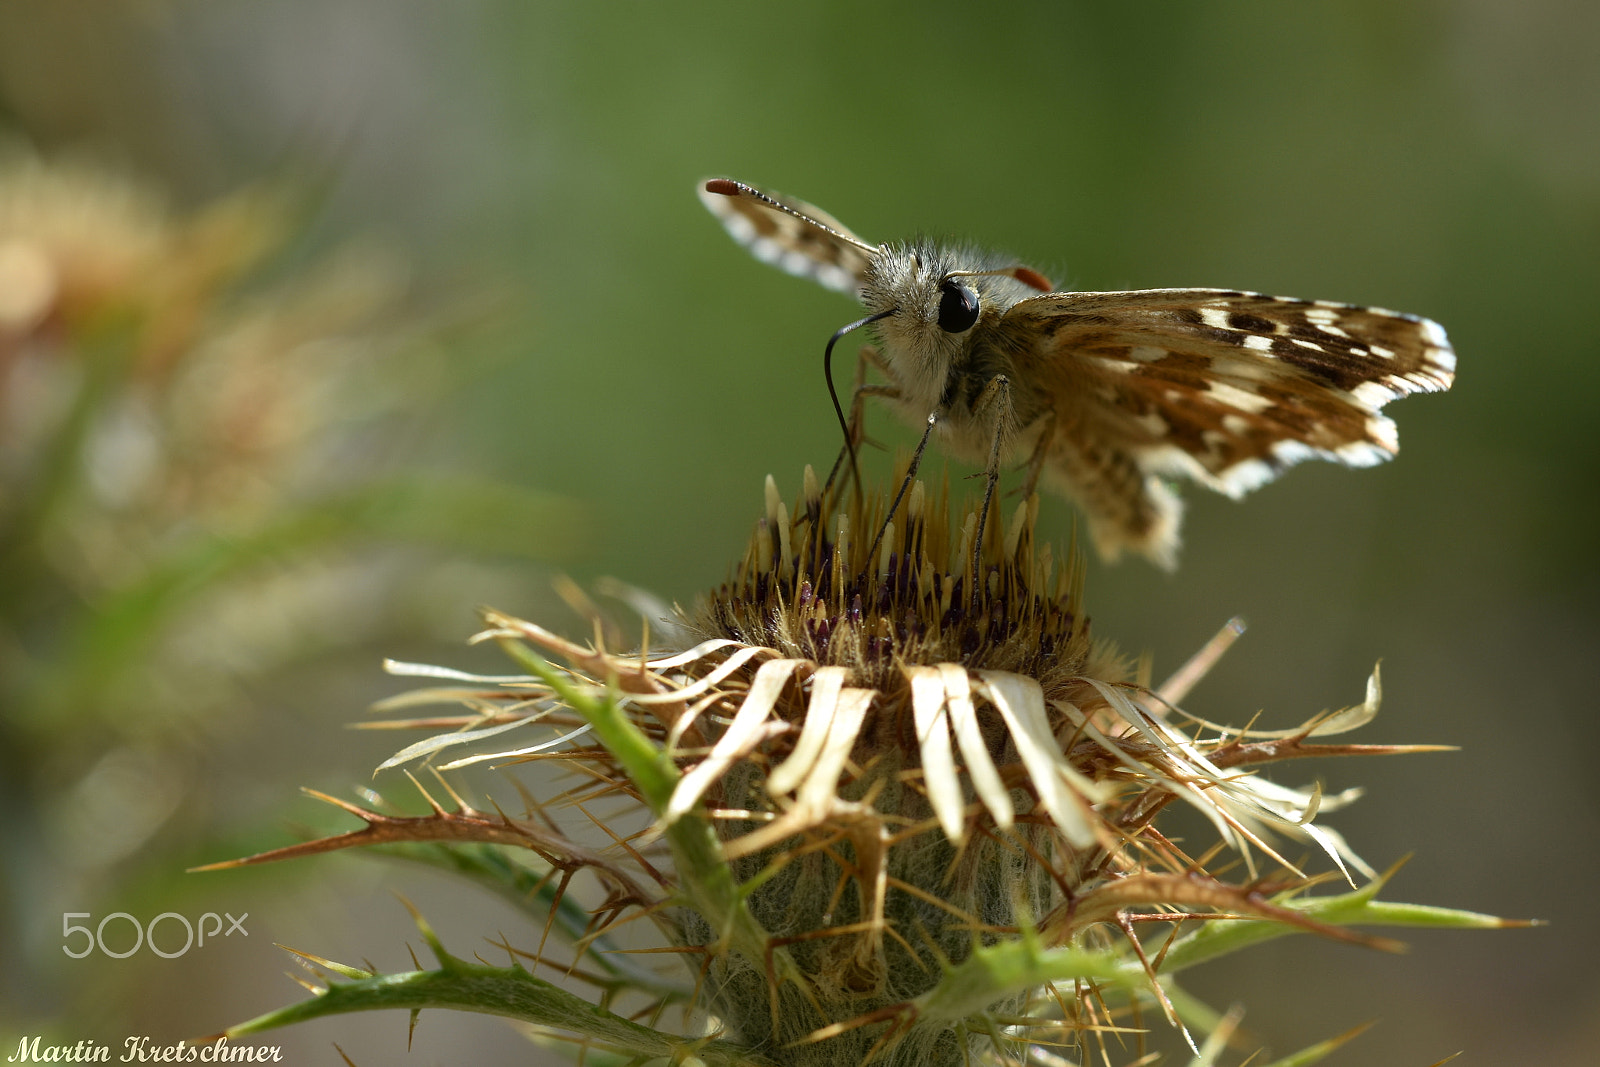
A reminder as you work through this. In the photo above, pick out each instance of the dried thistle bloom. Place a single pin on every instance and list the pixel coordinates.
(174, 426)
(883, 816)
(84, 250)
(146, 384)
(197, 427)
(168, 417)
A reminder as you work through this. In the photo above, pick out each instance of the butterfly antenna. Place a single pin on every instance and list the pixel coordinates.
(905, 484)
(833, 394)
(740, 191)
(1026, 275)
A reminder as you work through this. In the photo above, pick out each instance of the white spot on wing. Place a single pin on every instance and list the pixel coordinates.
(798, 263)
(1433, 333)
(837, 278)
(1255, 372)
(1321, 314)
(1442, 355)
(1118, 366)
(1244, 477)
(1362, 454)
(1173, 461)
(1381, 436)
(739, 228)
(1289, 452)
(1373, 395)
(1153, 423)
(1250, 474)
(1234, 397)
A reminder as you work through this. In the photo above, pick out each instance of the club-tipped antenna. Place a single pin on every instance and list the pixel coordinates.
(739, 190)
(1026, 275)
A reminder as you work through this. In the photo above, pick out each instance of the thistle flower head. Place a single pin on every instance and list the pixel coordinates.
(892, 804)
(875, 594)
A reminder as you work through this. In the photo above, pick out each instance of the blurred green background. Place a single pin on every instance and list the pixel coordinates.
(569, 324)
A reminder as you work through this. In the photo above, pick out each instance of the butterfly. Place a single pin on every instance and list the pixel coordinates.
(1107, 395)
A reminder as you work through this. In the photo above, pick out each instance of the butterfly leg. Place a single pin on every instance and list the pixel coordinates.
(1041, 451)
(889, 390)
(858, 414)
(996, 398)
(869, 356)
(856, 425)
(905, 484)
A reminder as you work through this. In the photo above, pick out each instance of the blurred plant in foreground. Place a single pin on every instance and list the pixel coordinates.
(882, 810)
(196, 421)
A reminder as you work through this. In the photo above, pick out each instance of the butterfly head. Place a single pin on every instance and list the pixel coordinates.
(939, 297)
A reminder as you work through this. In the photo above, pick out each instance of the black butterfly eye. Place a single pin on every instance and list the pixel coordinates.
(958, 307)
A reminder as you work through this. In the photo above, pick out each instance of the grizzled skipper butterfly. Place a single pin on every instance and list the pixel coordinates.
(1107, 394)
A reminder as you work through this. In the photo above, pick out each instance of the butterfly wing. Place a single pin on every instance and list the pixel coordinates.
(790, 234)
(1228, 388)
